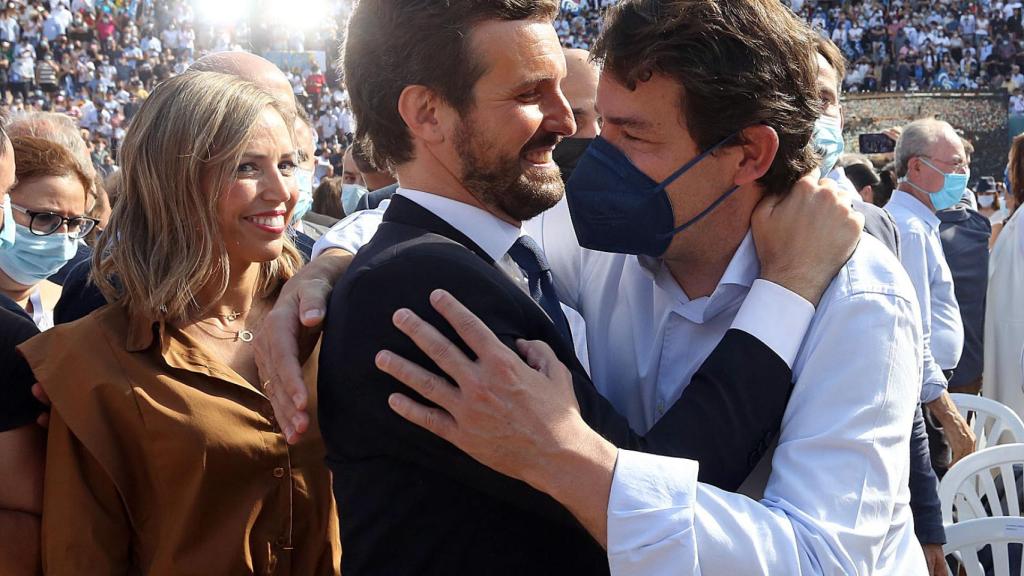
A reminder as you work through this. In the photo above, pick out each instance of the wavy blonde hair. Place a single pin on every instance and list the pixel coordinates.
(163, 243)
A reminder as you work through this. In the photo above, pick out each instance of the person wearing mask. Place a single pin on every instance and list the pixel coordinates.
(22, 442)
(987, 197)
(924, 487)
(63, 130)
(48, 208)
(655, 201)
(131, 486)
(303, 218)
(350, 172)
(1004, 316)
(932, 167)
(580, 89)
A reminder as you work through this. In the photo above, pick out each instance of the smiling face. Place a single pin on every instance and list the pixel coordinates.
(254, 208)
(505, 140)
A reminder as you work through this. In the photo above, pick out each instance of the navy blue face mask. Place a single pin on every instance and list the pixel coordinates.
(617, 208)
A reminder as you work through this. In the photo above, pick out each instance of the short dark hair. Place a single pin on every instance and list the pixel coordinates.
(740, 63)
(392, 44)
(364, 164)
(830, 52)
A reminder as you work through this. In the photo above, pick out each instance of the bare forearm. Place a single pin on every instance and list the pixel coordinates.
(944, 409)
(19, 543)
(580, 478)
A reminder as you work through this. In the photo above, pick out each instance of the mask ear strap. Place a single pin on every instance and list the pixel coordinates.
(706, 211)
(692, 163)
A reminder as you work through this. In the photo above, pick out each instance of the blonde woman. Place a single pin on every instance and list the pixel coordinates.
(163, 453)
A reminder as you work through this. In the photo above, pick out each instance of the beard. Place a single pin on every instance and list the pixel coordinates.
(500, 182)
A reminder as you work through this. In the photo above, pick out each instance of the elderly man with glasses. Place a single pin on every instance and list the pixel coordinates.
(933, 170)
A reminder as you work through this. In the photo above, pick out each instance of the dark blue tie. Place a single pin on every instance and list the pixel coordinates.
(530, 259)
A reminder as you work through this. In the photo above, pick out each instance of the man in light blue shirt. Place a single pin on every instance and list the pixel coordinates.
(932, 166)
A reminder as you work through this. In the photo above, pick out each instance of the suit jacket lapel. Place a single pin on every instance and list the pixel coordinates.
(405, 211)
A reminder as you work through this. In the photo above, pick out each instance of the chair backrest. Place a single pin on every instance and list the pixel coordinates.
(983, 484)
(993, 423)
(965, 540)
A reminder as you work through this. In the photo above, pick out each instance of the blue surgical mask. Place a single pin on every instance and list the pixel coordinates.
(32, 258)
(953, 187)
(615, 207)
(304, 179)
(828, 141)
(350, 196)
(7, 233)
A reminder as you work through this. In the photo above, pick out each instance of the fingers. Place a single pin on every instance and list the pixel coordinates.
(471, 329)
(40, 394)
(43, 420)
(277, 359)
(446, 355)
(426, 383)
(313, 297)
(539, 355)
(434, 420)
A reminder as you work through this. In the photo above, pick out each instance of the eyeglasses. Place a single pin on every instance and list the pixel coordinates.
(958, 167)
(46, 223)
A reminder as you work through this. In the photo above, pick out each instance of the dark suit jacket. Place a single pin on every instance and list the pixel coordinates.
(409, 502)
(372, 199)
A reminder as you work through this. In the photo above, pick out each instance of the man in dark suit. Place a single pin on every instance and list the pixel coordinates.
(476, 116)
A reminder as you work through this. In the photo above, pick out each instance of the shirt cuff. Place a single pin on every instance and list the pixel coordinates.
(932, 390)
(650, 515)
(777, 317)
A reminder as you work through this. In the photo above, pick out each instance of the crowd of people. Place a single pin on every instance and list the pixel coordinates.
(97, 60)
(484, 306)
(898, 45)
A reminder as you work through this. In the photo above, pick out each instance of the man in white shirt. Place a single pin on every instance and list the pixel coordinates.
(837, 499)
(933, 171)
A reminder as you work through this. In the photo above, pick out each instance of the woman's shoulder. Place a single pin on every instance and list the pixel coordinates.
(79, 354)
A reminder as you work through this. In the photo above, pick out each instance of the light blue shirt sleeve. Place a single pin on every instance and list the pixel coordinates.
(837, 500)
(914, 257)
(776, 316)
(353, 232)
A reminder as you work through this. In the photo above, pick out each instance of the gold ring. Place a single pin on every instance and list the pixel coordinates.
(265, 383)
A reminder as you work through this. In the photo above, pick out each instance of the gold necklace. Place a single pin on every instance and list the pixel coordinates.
(244, 335)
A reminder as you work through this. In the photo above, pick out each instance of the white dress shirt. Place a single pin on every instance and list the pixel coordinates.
(838, 498)
(922, 257)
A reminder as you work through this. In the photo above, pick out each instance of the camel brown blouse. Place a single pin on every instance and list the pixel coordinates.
(161, 460)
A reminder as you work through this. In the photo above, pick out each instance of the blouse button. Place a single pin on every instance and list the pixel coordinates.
(278, 472)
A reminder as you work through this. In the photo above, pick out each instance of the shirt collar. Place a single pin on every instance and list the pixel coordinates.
(140, 331)
(908, 202)
(492, 234)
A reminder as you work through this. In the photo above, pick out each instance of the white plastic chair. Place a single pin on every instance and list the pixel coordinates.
(993, 423)
(965, 539)
(975, 477)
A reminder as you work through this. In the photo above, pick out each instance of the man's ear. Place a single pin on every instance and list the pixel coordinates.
(759, 148)
(423, 112)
